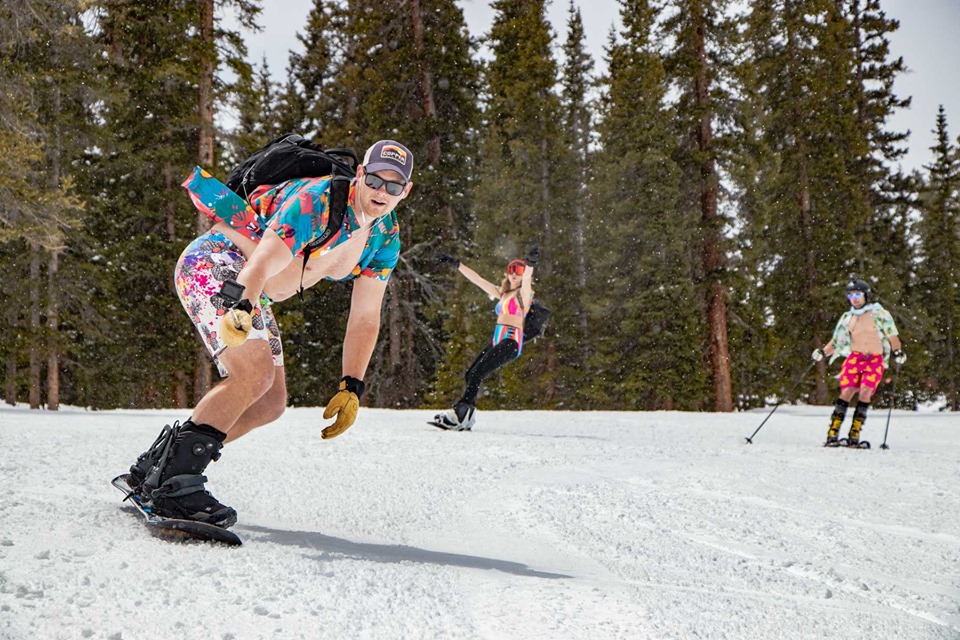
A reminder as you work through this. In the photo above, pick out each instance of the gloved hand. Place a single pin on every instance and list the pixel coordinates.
(236, 323)
(344, 405)
(533, 256)
(817, 355)
(899, 356)
(443, 258)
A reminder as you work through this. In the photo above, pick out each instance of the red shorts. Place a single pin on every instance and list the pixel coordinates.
(862, 370)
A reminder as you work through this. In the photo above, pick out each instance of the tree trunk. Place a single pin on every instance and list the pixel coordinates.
(389, 394)
(429, 105)
(202, 377)
(53, 327)
(713, 258)
(36, 331)
(10, 388)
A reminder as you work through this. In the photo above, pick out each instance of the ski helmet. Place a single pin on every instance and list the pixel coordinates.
(863, 286)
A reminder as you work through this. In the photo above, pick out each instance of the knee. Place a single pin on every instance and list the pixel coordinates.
(275, 403)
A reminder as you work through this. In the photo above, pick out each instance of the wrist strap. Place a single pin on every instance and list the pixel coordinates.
(349, 383)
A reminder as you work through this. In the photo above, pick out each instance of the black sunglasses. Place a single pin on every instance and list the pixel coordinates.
(374, 181)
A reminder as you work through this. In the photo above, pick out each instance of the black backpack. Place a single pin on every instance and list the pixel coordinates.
(292, 156)
(536, 320)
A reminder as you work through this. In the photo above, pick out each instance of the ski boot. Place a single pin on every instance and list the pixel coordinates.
(853, 437)
(459, 418)
(173, 485)
(836, 419)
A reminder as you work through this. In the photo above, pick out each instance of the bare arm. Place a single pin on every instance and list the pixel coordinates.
(363, 325)
(488, 287)
(269, 258)
(526, 287)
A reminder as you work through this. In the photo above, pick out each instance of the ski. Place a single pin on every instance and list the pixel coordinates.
(842, 442)
(172, 529)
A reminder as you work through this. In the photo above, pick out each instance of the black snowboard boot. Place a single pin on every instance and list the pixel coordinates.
(151, 457)
(859, 416)
(836, 419)
(174, 485)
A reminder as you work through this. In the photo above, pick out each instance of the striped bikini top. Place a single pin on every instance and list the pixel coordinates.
(509, 306)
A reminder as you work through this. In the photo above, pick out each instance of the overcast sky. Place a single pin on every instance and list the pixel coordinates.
(927, 41)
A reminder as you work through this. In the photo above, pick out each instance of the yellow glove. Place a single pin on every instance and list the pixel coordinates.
(344, 405)
(236, 323)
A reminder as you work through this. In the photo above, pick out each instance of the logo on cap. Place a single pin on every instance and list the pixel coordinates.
(395, 153)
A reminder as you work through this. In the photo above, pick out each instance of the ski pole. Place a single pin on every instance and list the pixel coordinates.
(779, 402)
(893, 397)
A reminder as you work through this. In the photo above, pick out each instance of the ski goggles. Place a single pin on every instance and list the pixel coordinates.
(374, 181)
(856, 295)
(516, 267)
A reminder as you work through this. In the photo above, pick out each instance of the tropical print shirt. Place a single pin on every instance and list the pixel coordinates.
(298, 211)
(842, 339)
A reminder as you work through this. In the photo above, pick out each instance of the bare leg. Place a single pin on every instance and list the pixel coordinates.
(265, 410)
(847, 394)
(251, 376)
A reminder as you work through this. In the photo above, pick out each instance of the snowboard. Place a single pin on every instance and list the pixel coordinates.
(173, 529)
(438, 425)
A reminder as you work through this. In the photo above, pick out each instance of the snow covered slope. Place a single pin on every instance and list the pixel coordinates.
(536, 525)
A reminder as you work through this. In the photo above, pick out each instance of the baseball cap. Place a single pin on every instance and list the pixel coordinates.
(389, 155)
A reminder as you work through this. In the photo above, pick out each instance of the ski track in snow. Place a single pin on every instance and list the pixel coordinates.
(536, 525)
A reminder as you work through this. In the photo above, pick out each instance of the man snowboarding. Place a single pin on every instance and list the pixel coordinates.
(259, 252)
(867, 337)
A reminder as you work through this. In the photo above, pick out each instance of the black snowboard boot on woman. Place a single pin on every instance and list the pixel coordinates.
(169, 478)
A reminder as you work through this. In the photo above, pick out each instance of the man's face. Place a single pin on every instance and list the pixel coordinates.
(857, 299)
(373, 191)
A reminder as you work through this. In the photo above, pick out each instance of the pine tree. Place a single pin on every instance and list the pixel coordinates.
(524, 165)
(154, 127)
(939, 270)
(699, 66)
(648, 354)
(804, 64)
(45, 86)
(401, 70)
(569, 288)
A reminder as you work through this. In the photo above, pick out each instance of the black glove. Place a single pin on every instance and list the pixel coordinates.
(899, 357)
(443, 258)
(533, 256)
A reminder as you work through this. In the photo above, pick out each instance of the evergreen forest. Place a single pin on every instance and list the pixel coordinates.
(700, 197)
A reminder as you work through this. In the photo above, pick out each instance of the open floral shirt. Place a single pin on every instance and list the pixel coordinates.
(298, 211)
(843, 341)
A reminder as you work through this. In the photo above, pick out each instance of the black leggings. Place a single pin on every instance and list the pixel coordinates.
(490, 359)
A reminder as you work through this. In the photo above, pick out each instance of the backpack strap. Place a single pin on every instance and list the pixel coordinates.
(339, 191)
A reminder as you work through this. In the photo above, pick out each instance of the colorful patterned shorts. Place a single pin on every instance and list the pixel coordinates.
(201, 270)
(862, 370)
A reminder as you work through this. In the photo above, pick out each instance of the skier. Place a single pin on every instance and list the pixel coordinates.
(514, 297)
(271, 262)
(867, 337)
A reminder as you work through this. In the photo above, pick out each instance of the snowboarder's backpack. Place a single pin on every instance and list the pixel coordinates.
(292, 156)
(535, 321)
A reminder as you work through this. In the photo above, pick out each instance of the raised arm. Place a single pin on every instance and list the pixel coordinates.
(488, 287)
(532, 259)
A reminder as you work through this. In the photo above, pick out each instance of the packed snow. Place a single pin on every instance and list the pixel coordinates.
(537, 524)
